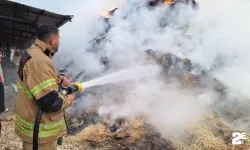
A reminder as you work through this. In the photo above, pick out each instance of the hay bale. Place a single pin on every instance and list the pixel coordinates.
(135, 131)
(199, 138)
(218, 127)
(208, 134)
(95, 133)
(222, 130)
(211, 133)
(99, 132)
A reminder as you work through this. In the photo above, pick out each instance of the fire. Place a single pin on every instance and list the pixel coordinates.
(109, 13)
(168, 2)
(106, 14)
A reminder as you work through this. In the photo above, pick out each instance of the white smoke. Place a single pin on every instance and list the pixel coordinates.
(217, 41)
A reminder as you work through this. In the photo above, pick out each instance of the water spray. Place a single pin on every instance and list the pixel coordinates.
(124, 74)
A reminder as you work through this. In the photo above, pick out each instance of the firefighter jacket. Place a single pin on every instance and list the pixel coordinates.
(37, 88)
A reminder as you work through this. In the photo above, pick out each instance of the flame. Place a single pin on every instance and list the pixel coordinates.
(167, 2)
(106, 14)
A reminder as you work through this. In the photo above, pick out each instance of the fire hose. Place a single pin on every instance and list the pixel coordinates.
(75, 87)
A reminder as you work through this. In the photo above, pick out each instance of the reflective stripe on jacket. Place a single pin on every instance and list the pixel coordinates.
(37, 78)
(45, 130)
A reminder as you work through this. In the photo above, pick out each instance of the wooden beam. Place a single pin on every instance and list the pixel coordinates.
(64, 20)
(27, 37)
(34, 25)
(24, 10)
(38, 15)
(8, 28)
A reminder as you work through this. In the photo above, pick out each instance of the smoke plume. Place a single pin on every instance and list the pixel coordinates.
(216, 39)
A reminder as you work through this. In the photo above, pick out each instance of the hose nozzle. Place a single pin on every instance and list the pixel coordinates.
(75, 87)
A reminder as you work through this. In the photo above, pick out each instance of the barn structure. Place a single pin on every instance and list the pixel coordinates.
(18, 24)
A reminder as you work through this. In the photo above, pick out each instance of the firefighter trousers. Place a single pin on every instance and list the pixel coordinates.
(47, 146)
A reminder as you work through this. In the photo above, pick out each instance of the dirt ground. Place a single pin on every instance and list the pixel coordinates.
(209, 134)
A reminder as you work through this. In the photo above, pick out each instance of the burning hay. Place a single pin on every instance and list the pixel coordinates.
(100, 132)
(136, 130)
(95, 133)
(211, 133)
(200, 138)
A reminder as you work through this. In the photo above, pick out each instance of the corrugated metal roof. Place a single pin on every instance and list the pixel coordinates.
(18, 23)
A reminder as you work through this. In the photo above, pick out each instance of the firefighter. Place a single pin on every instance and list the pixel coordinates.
(16, 58)
(2, 104)
(38, 90)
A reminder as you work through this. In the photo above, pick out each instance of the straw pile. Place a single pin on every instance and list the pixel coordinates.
(99, 132)
(95, 133)
(212, 133)
(209, 134)
(8, 140)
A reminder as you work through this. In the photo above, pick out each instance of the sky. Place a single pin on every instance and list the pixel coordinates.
(63, 7)
(78, 8)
